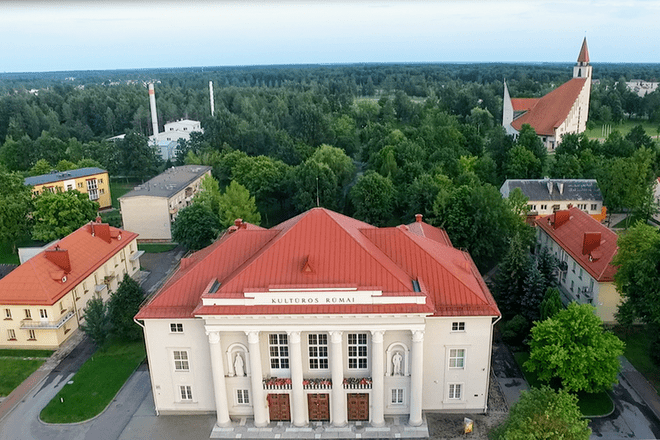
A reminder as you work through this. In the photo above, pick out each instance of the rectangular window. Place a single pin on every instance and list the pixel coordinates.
(457, 358)
(43, 313)
(581, 272)
(279, 351)
(7, 314)
(544, 207)
(573, 266)
(11, 334)
(85, 289)
(31, 335)
(582, 206)
(555, 207)
(572, 284)
(357, 351)
(92, 189)
(176, 327)
(28, 314)
(186, 392)
(242, 397)
(594, 207)
(62, 309)
(455, 391)
(80, 185)
(458, 326)
(397, 396)
(318, 351)
(181, 360)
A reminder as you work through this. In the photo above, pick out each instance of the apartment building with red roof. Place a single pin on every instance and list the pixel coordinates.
(43, 300)
(322, 318)
(563, 110)
(587, 248)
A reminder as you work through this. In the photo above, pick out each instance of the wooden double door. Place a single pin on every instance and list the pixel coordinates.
(358, 407)
(279, 407)
(318, 406)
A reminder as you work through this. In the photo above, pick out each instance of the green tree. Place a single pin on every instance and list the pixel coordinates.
(572, 349)
(313, 182)
(209, 196)
(56, 215)
(551, 303)
(65, 165)
(523, 164)
(41, 167)
(16, 202)
(338, 161)
(96, 323)
(123, 305)
(88, 163)
(543, 413)
(508, 285)
(236, 202)
(195, 227)
(373, 198)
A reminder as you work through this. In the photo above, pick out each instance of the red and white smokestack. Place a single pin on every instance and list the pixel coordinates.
(152, 103)
(211, 95)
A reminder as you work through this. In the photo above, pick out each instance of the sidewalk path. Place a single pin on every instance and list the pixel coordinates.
(641, 386)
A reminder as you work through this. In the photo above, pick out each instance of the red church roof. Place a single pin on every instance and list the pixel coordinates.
(591, 244)
(45, 278)
(550, 111)
(321, 249)
(583, 57)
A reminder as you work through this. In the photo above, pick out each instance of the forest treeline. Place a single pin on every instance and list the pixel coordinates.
(378, 142)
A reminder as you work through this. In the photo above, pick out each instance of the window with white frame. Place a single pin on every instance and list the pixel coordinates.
(581, 273)
(318, 351)
(7, 313)
(458, 326)
(455, 391)
(92, 189)
(357, 351)
(457, 358)
(43, 313)
(242, 397)
(28, 314)
(544, 207)
(279, 351)
(186, 392)
(11, 334)
(397, 396)
(176, 327)
(181, 362)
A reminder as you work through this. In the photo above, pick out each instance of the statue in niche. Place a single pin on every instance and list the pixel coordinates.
(239, 366)
(397, 360)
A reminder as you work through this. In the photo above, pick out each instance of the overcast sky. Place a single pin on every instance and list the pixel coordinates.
(90, 35)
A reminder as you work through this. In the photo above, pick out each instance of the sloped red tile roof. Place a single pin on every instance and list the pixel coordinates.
(570, 236)
(583, 57)
(551, 110)
(323, 249)
(38, 280)
(523, 104)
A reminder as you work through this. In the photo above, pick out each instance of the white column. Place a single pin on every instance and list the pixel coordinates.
(337, 367)
(219, 386)
(416, 373)
(377, 373)
(258, 400)
(298, 395)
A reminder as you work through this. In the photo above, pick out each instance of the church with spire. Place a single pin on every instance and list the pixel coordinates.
(562, 111)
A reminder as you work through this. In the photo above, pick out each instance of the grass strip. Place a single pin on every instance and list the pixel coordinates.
(10, 352)
(95, 384)
(591, 404)
(14, 371)
(638, 342)
(156, 248)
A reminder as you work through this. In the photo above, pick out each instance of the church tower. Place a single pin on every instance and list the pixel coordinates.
(582, 68)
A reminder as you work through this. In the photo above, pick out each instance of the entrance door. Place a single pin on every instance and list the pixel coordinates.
(319, 407)
(358, 407)
(278, 407)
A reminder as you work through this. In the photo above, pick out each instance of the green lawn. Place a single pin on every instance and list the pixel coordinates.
(95, 384)
(7, 256)
(155, 248)
(625, 127)
(14, 371)
(118, 189)
(637, 352)
(595, 404)
(25, 353)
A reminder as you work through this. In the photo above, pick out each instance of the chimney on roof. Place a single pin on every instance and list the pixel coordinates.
(98, 219)
(101, 230)
(590, 242)
(418, 218)
(561, 217)
(60, 257)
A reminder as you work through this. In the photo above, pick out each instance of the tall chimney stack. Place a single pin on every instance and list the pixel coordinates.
(152, 103)
(211, 95)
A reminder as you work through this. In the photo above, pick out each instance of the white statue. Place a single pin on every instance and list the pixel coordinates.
(239, 365)
(397, 359)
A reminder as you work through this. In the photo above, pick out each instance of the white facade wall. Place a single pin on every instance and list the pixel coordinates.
(547, 207)
(147, 216)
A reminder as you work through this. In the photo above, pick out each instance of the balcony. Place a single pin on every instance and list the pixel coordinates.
(357, 383)
(46, 325)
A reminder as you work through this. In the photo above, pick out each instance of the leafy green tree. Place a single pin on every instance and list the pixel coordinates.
(65, 165)
(209, 196)
(338, 161)
(551, 303)
(96, 322)
(123, 305)
(137, 157)
(236, 202)
(313, 182)
(543, 413)
(572, 349)
(56, 215)
(373, 198)
(638, 277)
(16, 202)
(262, 176)
(523, 164)
(88, 163)
(547, 264)
(529, 139)
(41, 167)
(517, 202)
(533, 292)
(195, 227)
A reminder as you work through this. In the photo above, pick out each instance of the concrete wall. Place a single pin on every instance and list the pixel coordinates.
(147, 216)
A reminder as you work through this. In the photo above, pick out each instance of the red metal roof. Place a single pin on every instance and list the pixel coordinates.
(323, 249)
(523, 104)
(38, 281)
(571, 235)
(583, 57)
(551, 110)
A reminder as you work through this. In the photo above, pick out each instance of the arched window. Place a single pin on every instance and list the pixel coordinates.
(234, 350)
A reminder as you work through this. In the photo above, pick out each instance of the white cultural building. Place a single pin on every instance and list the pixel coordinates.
(322, 318)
